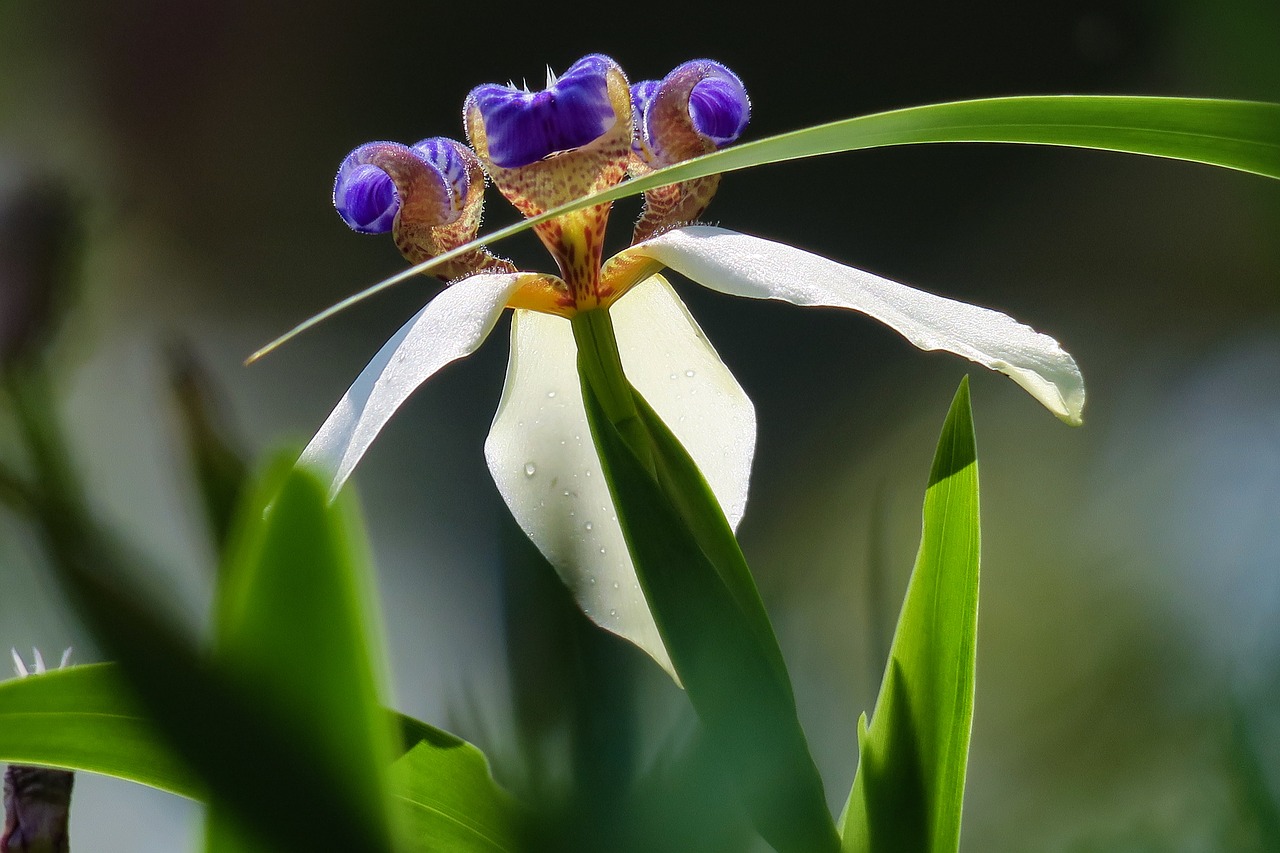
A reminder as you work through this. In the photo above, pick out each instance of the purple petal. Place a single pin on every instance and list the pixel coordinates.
(642, 95)
(364, 196)
(719, 106)
(524, 127)
(447, 158)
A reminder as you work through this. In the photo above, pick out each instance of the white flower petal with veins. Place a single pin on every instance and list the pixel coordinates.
(742, 265)
(452, 325)
(543, 460)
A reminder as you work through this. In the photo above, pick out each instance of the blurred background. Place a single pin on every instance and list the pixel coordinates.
(1129, 648)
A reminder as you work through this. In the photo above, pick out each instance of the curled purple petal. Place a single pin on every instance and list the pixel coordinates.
(719, 106)
(524, 127)
(365, 197)
(368, 191)
(448, 158)
(642, 95)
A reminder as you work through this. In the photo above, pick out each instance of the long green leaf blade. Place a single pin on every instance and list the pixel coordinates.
(909, 788)
(295, 624)
(731, 671)
(1241, 135)
(449, 801)
(85, 718)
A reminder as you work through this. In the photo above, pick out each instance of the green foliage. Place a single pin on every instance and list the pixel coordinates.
(86, 718)
(713, 625)
(295, 625)
(448, 801)
(909, 788)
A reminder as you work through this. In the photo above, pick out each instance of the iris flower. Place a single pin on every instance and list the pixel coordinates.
(587, 131)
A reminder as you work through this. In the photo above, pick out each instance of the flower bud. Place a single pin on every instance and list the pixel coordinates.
(699, 107)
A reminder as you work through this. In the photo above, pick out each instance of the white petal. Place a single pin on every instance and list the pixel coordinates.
(451, 326)
(546, 467)
(742, 265)
(670, 361)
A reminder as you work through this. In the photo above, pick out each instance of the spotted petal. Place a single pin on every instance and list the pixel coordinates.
(451, 326)
(742, 265)
(546, 467)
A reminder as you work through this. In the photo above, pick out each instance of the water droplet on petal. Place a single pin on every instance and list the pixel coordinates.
(673, 376)
(615, 584)
(591, 579)
(601, 549)
(551, 393)
(613, 613)
(588, 526)
(689, 373)
(530, 469)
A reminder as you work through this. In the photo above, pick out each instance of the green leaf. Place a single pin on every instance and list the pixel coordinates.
(1242, 135)
(448, 800)
(86, 718)
(909, 788)
(296, 626)
(731, 670)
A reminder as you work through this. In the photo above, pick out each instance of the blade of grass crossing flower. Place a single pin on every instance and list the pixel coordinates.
(295, 623)
(730, 673)
(909, 786)
(86, 718)
(1241, 135)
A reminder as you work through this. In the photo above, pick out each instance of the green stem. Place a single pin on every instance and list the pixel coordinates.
(600, 364)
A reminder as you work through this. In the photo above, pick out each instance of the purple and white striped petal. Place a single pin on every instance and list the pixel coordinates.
(741, 265)
(524, 127)
(365, 197)
(375, 178)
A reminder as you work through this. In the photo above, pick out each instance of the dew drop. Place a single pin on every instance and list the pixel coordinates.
(673, 376)
(689, 373)
(530, 469)
(615, 584)
(613, 613)
(591, 579)
(601, 549)
(565, 493)
(551, 394)
(588, 526)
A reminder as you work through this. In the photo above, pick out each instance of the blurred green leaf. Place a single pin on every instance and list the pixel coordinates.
(449, 801)
(909, 788)
(86, 718)
(295, 626)
(247, 755)
(1242, 135)
(708, 621)
(217, 462)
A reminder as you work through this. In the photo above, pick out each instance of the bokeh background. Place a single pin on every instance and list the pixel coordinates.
(1129, 649)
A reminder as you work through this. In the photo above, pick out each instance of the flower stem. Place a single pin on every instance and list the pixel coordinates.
(600, 364)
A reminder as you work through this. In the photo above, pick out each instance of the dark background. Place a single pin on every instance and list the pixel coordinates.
(1131, 585)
